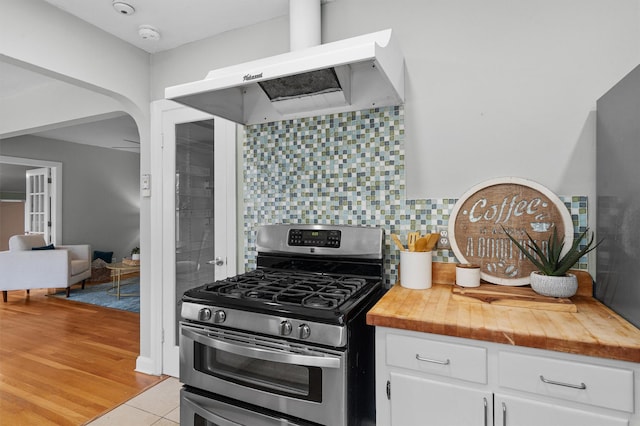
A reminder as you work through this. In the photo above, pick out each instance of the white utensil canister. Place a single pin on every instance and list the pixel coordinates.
(468, 275)
(415, 269)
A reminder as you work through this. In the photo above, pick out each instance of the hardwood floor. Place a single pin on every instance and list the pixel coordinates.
(64, 362)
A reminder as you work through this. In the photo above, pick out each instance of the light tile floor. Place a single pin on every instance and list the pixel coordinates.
(157, 406)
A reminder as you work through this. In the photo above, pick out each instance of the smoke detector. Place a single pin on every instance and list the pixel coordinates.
(123, 8)
(147, 32)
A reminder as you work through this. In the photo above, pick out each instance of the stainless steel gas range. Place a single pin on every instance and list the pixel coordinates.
(287, 343)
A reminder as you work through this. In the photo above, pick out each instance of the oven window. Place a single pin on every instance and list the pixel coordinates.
(291, 380)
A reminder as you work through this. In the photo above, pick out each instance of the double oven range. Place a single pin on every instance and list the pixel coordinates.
(286, 343)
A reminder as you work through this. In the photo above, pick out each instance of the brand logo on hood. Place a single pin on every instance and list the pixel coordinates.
(249, 77)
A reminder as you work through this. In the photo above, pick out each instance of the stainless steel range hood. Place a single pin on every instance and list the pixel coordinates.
(353, 74)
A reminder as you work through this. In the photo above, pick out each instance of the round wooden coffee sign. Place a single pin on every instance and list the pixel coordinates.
(521, 207)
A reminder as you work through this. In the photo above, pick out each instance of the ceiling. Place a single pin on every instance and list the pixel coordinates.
(178, 22)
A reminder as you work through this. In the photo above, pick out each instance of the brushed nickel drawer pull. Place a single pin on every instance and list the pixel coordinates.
(434, 361)
(486, 407)
(567, 385)
(504, 414)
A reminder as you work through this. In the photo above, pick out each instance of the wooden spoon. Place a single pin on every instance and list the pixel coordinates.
(397, 241)
(422, 243)
(412, 238)
(433, 240)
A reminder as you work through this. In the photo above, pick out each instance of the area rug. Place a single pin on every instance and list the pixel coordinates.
(96, 294)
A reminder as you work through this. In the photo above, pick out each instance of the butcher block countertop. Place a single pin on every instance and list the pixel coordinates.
(594, 330)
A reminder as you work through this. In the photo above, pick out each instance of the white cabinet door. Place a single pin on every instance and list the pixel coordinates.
(416, 401)
(512, 411)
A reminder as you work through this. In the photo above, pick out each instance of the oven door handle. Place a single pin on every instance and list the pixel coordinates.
(208, 415)
(263, 354)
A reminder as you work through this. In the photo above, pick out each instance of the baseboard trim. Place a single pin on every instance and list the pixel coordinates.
(147, 366)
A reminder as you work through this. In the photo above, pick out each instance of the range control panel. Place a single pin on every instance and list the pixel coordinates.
(314, 238)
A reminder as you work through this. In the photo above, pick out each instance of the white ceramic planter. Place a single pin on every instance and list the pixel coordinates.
(547, 285)
(135, 256)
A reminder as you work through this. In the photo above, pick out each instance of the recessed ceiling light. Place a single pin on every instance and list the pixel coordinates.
(147, 32)
(123, 8)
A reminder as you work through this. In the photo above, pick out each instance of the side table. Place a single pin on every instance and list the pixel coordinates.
(117, 269)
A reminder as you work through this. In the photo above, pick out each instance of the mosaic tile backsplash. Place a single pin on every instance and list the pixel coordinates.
(345, 168)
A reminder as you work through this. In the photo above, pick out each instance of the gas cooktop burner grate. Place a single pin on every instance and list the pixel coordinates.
(310, 290)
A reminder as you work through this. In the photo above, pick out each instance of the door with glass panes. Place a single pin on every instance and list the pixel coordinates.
(37, 212)
(198, 213)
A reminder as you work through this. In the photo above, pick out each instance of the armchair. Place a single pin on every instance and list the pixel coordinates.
(22, 268)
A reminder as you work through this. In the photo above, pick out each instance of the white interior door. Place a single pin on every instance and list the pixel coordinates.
(37, 212)
(55, 192)
(198, 220)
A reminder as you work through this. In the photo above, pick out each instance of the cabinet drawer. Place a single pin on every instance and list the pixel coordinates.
(574, 381)
(444, 359)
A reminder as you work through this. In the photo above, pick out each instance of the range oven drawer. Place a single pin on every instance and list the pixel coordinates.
(208, 410)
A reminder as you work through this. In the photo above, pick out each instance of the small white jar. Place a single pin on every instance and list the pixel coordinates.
(468, 275)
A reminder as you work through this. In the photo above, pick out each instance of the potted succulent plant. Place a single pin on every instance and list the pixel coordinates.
(135, 253)
(553, 277)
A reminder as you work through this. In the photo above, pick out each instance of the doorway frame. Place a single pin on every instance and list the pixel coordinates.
(56, 196)
(154, 363)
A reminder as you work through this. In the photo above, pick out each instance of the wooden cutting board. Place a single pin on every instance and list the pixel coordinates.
(521, 297)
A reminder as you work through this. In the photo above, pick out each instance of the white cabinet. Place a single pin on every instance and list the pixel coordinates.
(511, 410)
(590, 384)
(426, 379)
(416, 401)
(440, 358)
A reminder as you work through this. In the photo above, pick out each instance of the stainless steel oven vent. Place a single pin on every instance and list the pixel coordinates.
(306, 84)
(307, 91)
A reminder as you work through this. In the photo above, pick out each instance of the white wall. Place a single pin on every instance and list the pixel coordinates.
(100, 195)
(501, 88)
(40, 109)
(44, 39)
